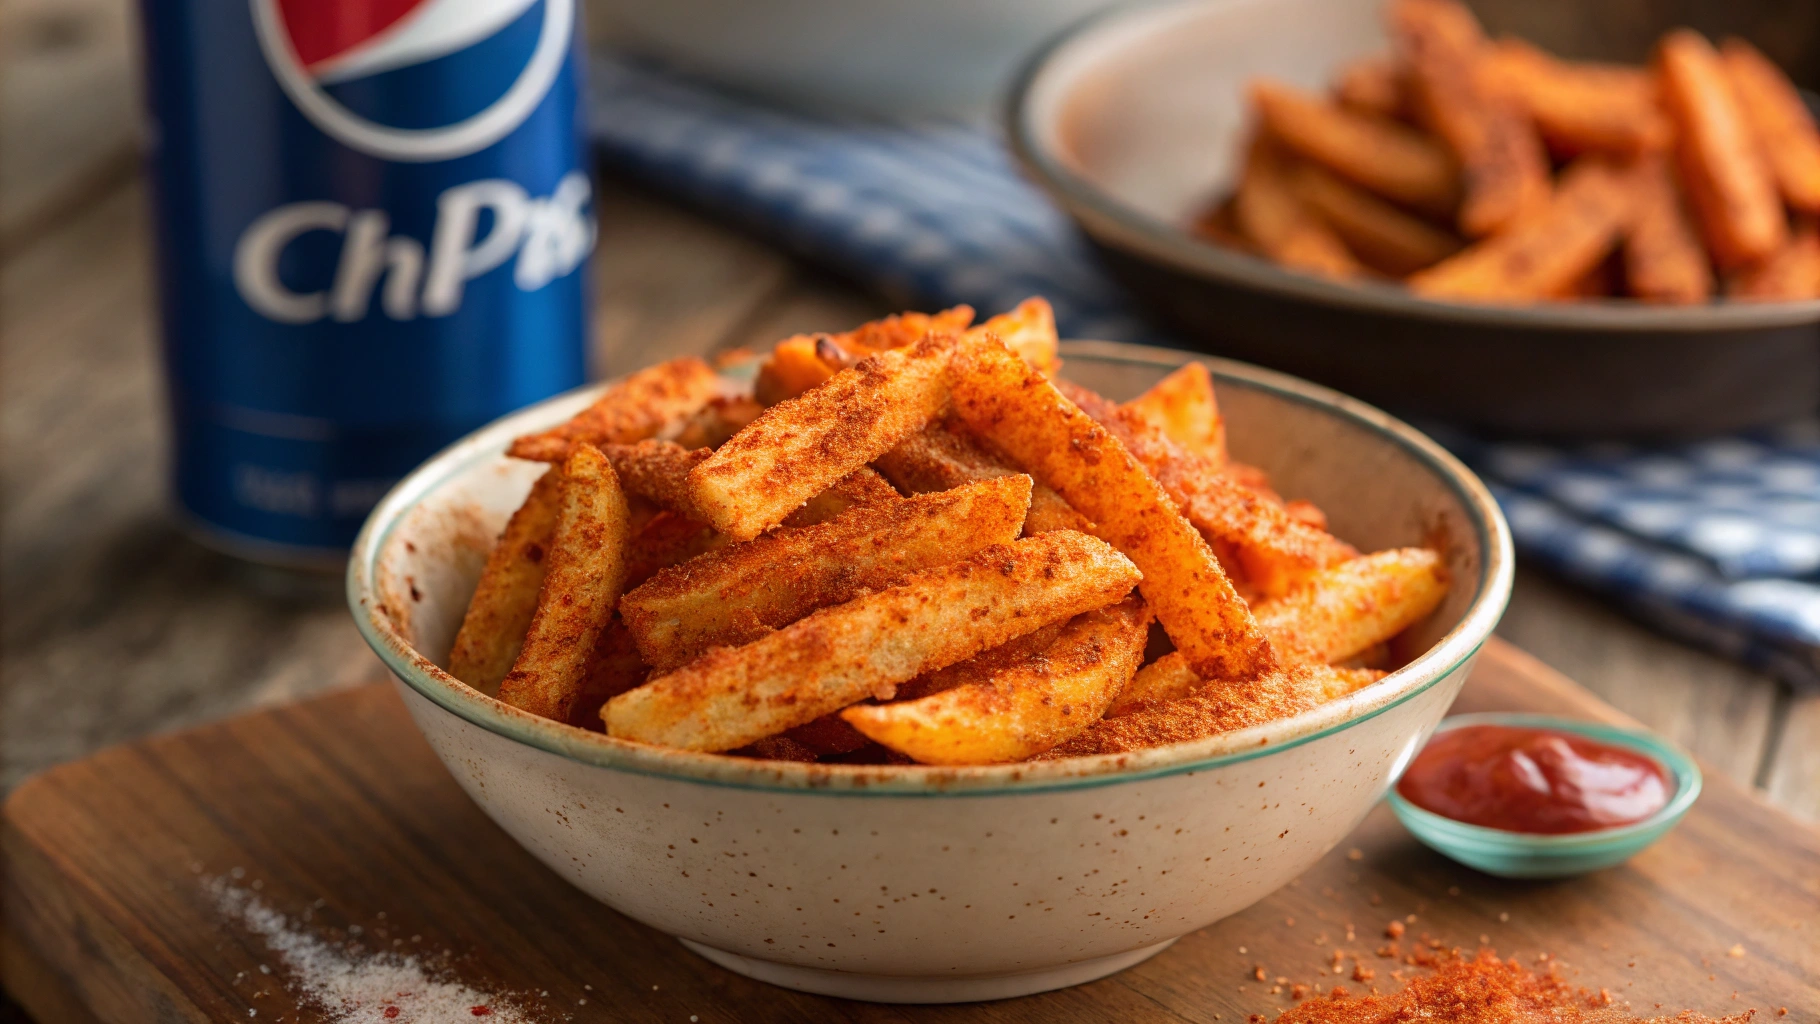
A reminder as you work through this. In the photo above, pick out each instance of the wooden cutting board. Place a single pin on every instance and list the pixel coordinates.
(337, 806)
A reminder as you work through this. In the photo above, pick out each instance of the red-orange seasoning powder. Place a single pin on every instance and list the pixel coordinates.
(1482, 990)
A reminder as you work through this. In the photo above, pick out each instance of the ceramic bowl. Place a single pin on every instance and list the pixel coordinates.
(926, 884)
(1133, 121)
(1527, 855)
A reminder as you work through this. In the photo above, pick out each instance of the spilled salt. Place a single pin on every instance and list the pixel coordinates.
(351, 985)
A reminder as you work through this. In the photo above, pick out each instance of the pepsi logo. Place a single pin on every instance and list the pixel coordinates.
(471, 70)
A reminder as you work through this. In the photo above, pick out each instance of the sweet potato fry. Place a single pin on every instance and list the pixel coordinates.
(803, 361)
(802, 445)
(732, 696)
(1028, 330)
(1503, 168)
(1542, 256)
(1790, 274)
(1720, 159)
(1016, 408)
(1383, 236)
(1581, 107)
(1214, 708)
(634, 409)
(587, 569)
(1373, 85)
(1783, 125)
(1275, 220)
(941, 457)
(1388, 158)
(1169, 678)
(1024, 709)
(1341, 611)
(1182, 405)
(744, 591)
(863, 486)
(500, 611)
(1663, 258)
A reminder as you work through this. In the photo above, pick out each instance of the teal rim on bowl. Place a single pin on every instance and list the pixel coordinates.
(1532, 855)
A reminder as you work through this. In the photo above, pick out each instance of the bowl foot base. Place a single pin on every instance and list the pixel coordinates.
(886, 988)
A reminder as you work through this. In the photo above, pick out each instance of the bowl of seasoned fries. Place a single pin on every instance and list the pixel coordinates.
(932, 661)
(1391, 200)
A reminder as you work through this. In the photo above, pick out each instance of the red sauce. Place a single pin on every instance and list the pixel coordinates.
(1533, 780)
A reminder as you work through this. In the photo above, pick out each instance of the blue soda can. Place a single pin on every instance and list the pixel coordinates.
(374, 221)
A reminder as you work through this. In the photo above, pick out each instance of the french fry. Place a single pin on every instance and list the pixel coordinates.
(1028, 330)
(983, 666)
(731, 696)
(1388, 158)
(803, 361)
(802, 445)
(1275, 220)
(1783, 125)
(587, 569)
(1182, 405)
(1790, 274)
(1542, 256)
(667, 539)
(1720, 160)
(1348, 608)
(1024, 709)
(612, 668)
(1581, 107)
(657, 471)
(1215, 708)
(1382, 235)
(1016, 408)
(1272, 549)
(1219, 224)
(632, 410)
(940, 457)
(712, 424)
(1169, 679)
(1373, 85)
(1663, 258)
(500, 611)
(1503, 168)
(744, 591)
(863, 486)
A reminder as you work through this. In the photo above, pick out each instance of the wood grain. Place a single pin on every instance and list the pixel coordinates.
(336, 803)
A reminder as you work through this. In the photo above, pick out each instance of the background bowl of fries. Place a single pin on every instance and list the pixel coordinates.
(1347, 266)
(907, 882)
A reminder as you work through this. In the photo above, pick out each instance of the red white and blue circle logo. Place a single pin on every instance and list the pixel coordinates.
(415, 80)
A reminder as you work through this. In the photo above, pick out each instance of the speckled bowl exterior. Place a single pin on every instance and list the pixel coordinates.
(926, 884)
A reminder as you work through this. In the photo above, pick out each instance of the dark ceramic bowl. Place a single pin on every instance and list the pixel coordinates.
(1131, 122)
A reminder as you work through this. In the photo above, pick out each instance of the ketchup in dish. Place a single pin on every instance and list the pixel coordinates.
(1534, 780)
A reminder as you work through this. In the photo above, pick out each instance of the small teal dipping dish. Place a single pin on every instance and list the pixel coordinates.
(1532, 855)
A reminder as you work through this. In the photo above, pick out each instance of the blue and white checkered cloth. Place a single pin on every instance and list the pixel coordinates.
(1716, 542)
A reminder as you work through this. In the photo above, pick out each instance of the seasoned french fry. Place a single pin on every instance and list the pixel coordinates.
(803, 361)
(1388, 158)
(1581, 107)
(1503, 167)
(500, 611)
(1720, 159)
(939, 458)
(712, 424)
(1215, 708)
(1346, 609)
(1219, 224)
(1542, 256)
(1663, 258)
(1382, 235)
(1182, 405)
(667, 539)
(587, 570)
(1789, 274)
(1028, 330)
(1373, 85)
(983, 666)
(863, 486)
(1275, 220)
(732, 696)
(1783, 125)
(1016, 408)
(657, 471)
(1273, 549)
(633, 409)
(612, 668)
(744, 591)
(1169, 679)
(1024, 709)
(802, 445)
